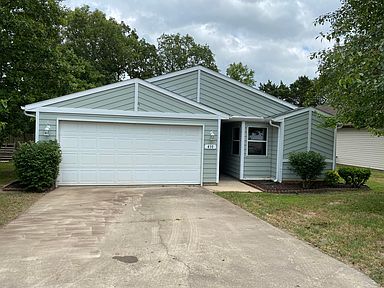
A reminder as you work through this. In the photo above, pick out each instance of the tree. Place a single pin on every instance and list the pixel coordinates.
(280, 91)
(241, 73)
(352, 71)
(29, 35)
(178, 52)
(113, 49)
(301, 92)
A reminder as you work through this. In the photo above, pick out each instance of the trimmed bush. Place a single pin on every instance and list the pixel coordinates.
(354, 176)
(307, 165)
(37, 164)
(332, 178)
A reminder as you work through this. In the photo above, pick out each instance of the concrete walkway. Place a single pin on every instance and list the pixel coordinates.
(157, 237)
(229, 184)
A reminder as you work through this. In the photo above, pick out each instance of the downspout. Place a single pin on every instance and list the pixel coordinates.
(29, 115)
(277, 158)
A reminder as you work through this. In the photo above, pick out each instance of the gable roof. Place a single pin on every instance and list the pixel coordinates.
(46, 105)
(223, 77)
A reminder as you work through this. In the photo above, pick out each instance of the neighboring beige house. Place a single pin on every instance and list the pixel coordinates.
(359, 147)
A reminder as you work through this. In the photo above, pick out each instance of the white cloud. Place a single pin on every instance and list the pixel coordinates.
(273, 37)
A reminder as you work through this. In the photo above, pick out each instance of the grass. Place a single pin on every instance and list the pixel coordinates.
(346, 225)
(13, 203)
(7, 173)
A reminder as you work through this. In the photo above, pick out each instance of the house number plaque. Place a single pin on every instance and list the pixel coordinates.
(210, 146)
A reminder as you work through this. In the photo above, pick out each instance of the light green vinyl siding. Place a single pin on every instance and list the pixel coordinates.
(295, 133)
(229, 163)
(184, 85)
(288, 174)
(321, 137)
(121, 98)
(296, 139)
(153, 101)
(259, 166)
(210, 156)
(234, 100)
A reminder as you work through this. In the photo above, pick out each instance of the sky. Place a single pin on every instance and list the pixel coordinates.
(273, 37)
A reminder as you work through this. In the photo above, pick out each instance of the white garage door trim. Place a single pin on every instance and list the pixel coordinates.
(140, 122)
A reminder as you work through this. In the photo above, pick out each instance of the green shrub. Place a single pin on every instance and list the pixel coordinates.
(37, 164)
(308, 165)
(354, 176)
(332, 178)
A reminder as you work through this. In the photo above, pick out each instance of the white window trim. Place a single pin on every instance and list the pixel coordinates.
(233, 128)
(258, 141)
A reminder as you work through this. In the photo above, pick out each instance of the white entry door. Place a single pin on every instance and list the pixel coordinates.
(97, 153)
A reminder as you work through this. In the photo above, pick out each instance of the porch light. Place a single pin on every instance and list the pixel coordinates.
(46, 130)
(212, 136)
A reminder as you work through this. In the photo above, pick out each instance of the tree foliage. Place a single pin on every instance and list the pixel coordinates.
(352, 71)
(29, 35)
(301, 92)
(48, 51)
(113, 49)
(241, 73)
(177, 52)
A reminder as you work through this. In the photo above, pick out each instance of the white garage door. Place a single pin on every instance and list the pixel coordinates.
(129, 154)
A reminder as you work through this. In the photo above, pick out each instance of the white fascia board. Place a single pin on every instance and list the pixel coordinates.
(248, 118)
(299, 111)
(79, 94)
(226, 78)
(182, 99)
(125, 113)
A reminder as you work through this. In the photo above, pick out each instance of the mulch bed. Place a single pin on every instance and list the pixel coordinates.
(14, 186)
(296, 187)
(17, 186)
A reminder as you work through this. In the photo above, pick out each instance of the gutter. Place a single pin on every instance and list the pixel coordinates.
(26, 114)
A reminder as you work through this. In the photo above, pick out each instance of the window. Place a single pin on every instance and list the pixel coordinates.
(257, 141)
(236, 141)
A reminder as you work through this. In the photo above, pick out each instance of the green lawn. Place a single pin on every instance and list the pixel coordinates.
(13, 203)
(7, 173)
(346, 225)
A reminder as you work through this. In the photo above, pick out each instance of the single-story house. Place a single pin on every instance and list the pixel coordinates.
(184, 127)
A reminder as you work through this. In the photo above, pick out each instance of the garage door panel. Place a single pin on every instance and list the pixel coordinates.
(123, 154)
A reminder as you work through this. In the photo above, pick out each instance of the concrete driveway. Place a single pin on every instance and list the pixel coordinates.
(181, 237)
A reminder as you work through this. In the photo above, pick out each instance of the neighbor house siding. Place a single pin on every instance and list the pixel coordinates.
(258, 166)
(151, 100)
(229, 163)
(121, 98)
(184, 85)
(234, 100)
(209, 158)
(358, 147)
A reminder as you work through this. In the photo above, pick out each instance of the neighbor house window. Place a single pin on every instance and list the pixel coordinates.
(257, 141)
(236, 140)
